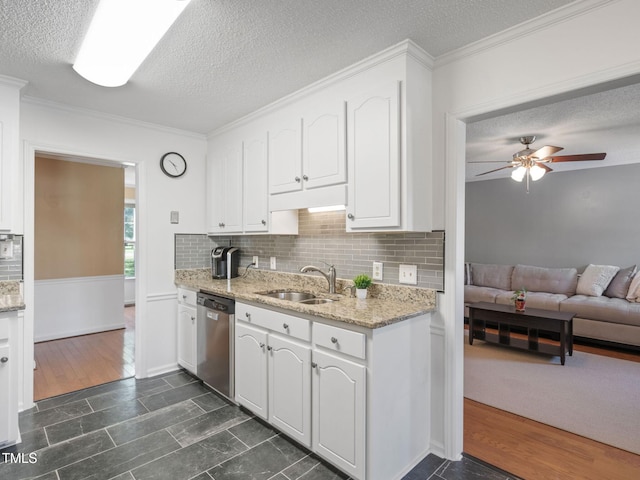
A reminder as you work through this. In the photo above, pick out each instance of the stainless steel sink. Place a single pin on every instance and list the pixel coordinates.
(316, 301)
(292, 296)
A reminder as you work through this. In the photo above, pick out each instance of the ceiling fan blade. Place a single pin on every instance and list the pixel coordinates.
(547, 168)
(491, 161)
(577, 158)
(491, 171)
(545, 152)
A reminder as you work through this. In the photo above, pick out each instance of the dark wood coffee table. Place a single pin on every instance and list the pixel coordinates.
(503, 317)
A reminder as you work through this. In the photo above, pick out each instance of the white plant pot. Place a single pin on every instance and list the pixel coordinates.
(361, 293)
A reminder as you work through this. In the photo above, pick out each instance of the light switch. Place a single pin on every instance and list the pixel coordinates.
(175, 217)
(408, 274)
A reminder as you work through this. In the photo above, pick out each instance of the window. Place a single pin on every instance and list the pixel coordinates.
(129, 241)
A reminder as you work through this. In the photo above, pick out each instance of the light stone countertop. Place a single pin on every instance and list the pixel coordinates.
(11, 299)
(385, 305)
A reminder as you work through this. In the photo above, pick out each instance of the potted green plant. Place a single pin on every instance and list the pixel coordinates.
(362, 282)
(520, 299)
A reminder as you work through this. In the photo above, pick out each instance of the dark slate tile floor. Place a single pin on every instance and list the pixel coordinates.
(173, 427)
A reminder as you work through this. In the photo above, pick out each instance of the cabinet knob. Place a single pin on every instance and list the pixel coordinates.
(269, 348)
(222, 224)
(314, 365)
(184, 297)
(350, 216)
(305, 178)
(261, 345)
(264, 222)
(4, 360)
(297, 179)
(334, 340)
(248, 315)
(285, 326)
(193, 319)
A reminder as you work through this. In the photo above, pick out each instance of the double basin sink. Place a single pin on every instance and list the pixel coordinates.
(299, 297)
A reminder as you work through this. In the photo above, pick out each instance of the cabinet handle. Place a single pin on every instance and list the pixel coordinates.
(222, 224)
(305, 178)
(4, 360)
(334, 340)
(261, 345)
(248, 315)
(350, 216)
(269, 348)
(285, 326)
(264, 222)
(314, 365)
(184, 297)
(297, 179)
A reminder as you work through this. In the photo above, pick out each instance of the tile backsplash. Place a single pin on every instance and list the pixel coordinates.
(11, 268)
(322, 238)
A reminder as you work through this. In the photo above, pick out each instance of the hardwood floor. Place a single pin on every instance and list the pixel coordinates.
(534, 451)
(74, 363)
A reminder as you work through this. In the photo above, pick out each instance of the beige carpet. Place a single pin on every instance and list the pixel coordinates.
(593, 396)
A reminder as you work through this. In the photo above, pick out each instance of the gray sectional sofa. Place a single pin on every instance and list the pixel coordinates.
(598, 296)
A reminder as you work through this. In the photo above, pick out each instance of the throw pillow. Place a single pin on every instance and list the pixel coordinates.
(619, 286)
(467, 273)
(595, 279)
(634, 289)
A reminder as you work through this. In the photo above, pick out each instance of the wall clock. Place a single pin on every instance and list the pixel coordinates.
(173, 164)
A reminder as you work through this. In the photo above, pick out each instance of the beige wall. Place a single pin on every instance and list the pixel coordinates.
(129, 193)
(78, 219)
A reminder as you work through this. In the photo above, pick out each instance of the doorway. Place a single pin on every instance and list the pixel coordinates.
(83, 331)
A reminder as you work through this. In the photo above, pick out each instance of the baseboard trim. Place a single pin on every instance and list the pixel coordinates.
(77, 333)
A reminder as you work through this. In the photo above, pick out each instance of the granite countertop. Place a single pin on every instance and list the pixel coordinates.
(386, 304)
(11, 299)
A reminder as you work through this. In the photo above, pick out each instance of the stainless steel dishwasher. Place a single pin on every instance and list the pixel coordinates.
(214, 350)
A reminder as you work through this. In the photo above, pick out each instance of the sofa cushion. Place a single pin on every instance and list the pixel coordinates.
(633, 295)
(543, 300)
(489, 275)
(595, 279)
(540, 279)
(473, 294)
(613, 310)
(619, 286)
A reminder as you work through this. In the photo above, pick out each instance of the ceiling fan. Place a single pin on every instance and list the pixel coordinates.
(532, 164)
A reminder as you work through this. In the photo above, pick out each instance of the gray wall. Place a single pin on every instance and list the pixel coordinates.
(569, 219)
(322, 237)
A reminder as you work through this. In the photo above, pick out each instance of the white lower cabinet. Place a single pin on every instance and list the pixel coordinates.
(339, 407)
(187, 329)
(8, 380)
(357, 397)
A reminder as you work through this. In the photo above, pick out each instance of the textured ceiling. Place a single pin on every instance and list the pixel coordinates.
(223, 59)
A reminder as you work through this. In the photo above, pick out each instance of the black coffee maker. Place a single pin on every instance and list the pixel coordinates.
(225, 262)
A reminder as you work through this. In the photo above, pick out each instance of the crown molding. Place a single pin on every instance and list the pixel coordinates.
(12, 82)
(109, 117)
(559, 15)
(406, 47)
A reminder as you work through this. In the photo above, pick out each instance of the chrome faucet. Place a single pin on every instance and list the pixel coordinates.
(331, 277)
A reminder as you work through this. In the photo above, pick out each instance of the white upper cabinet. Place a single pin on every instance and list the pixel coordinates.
(224, 188)
(323, 155)
(285, 156)
(374, 158)
(255, 206)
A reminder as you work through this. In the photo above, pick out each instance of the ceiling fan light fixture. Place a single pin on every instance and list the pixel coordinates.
(121, 35)
(537, 172)
(518, 173)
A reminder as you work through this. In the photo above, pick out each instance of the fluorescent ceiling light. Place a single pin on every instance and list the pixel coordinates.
(332, 208)
(121, 35)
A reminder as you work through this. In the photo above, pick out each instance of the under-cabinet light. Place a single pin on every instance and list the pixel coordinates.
(121, 35)
(331, 208)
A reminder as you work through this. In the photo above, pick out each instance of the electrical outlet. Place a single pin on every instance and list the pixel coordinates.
(377, 271)
(408, 274)
(255, 260)
(273, 263)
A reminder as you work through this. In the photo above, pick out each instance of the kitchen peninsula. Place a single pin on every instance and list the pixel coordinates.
(348, 379)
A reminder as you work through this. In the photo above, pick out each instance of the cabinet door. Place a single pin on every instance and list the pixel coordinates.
(224, 188)
(290, 388)
(373, 131)
(251, 368)
(5, 391)
(285, 157)
(256, 197)
(338, 412)
(187, 337)
(324, 156)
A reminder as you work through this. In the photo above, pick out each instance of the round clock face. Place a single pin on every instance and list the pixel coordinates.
(173, 164)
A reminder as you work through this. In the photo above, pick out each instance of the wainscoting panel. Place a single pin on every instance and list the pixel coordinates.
(77, 306)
